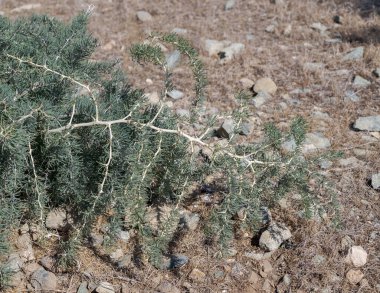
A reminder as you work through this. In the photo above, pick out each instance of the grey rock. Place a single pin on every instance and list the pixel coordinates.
(318, 260)
(355, 54)
(105, 287)
(24, 229)
(213, 47)
(123, 235)
(301, 91)
(375, 181)
(197, 275)
(369, 123)
(175, 261)
(266, 216)
(183, 113)
(14, 263)
(270, 28)
(350, 162)
(24, 243)
(246, 128)
(229, 4)
(360, 82)
(144, 16)
(96, 239)
(351, 96)
(333, 41)
(125, 262)
(179, 31)
(230, 52)
(238, 271)
(315, 141)
(246, 83)
(319, 27)
(321, 115)
(175, 94)
(43, 280)
(325, 164)
(47, 262)
(173, 59)
(313, 67)
(274, 236)
(289, 145)
(260, 99)
(167, 287)
(226, 130)
(189, 220)
(376, 72)
(266, 85)
(116, 255)
(83, 288)
(56, 219)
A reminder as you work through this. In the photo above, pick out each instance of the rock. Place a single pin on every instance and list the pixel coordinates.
(226, 130)
(258, 256)
(47, 262)
(338, 19)
(270, 28)
(123, 236)
(26, 7)
(313, 67)
(96, 239)
(318, 260)
(238, 271)
(153, 98)
(319, 27)
(354, 276)
(43, 280)
(288, 30)
(253, 278)
(56, 219)
(213, 47)
(369, 123)
(179, 31)
(265, 85)
(357, 256)
(246, 83)
(260, 99)
(375, 181)
(116, 255)
(197, 275)
(189, 220)
(325, 164)
(246, 128)
(173, 59)
(14, 263)
(83, 288)
(144, 16)
(289, 145)
(15, 280)
(333, 41)
(265, 268)
(351, 161)
(24, 243)
(229, 5)
(376, 72)
(355, 54)
(125, 261)
(266, 216)
(183, 113)
(351, 96)
(230, 52)
(315, 141)
(360, 82)
(321, 115)
(105, 287)
(174, 262)
(175, 94)
(24, 229)
(167, 287)
(267, 286)
(274, 236)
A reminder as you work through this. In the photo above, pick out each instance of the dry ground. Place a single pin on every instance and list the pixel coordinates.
(280, 57)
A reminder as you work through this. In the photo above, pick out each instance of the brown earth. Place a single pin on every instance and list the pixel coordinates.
(280, 56)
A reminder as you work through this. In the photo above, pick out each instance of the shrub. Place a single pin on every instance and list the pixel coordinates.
(75, 135)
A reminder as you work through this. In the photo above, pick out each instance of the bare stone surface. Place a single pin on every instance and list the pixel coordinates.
(357, 256)
(274, 236)
(266, 85)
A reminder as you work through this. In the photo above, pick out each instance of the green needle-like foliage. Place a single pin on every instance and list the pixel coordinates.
(75, 135)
